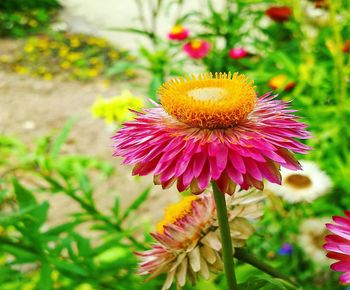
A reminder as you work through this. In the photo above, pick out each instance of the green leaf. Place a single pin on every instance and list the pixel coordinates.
(45, 282)
(136, 203)
(69, 267)
(24, 196)
(62, 138)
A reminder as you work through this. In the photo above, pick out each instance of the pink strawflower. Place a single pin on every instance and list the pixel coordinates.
(197, 48)
(237, 53)
(178, 32)
(338, 246)
(212, 127)
(188, 240)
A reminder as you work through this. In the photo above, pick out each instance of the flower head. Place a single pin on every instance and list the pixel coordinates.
(197, 48)
(338, 246)
(212, 128)
(279, 13)
(281, 82)
(116, 109)
(311, 239)
(188, 240)
(302, 185)
(178, 32)
(237, 53)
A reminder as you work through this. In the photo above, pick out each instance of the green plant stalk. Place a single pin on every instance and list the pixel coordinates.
(250, 259)
(226, 241)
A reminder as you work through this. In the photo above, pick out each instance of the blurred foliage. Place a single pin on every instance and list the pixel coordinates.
(73, 56)
(39, 253)
(19, 18)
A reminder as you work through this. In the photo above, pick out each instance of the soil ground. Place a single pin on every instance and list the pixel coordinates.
(31, 108)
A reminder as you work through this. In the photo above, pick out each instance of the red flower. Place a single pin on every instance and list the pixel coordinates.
(281, 82)
(237, 53)
(197, 48)
(346, 46)
(178, 32)
(279, 13)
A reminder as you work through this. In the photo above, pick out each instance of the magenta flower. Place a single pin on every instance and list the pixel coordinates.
(197, 48)
(338, 246)
(212, 128)
(237, 53)
(178, 32)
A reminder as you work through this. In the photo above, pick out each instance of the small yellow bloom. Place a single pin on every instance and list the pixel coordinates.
(48, 76)
(116, 109)
(20, 69)
(65, 65)
(29, 48)
(113, 55)
(33, 23)
(74, 56)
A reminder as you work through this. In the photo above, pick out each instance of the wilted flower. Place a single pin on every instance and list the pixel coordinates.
(212, 128)
(197, 48)
(116, 109)
(285, 250)
(279, 13)
(302, 185)
(338, 246)
(311, 238)
(178, 32)
(188, 239)
(281, 82)
(237, 53)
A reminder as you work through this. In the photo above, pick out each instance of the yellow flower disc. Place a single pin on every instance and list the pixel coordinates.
(209, 101)
(176, 211)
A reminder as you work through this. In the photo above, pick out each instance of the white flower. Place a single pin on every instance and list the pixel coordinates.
(312, 238)
(302, 185)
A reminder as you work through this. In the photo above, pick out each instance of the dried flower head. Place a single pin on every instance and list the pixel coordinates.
(188, 239)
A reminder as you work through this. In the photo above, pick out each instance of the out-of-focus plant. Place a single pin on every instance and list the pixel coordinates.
(116, 110)
(73, 56)
(159, 56)
(34, 253)
(20, 18)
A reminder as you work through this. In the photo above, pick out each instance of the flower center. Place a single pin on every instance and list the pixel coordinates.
(176, 211)
(298, 181)
(177, 29)
(195, 44)
(209, 101)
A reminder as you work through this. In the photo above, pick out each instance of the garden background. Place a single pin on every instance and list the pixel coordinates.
(71, 216)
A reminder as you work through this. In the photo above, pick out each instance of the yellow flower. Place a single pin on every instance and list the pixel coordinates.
(65, 65)
(48, 76)
(93, 72)
(75, 42)
(33, 23)
(113, 54)
(116, 109)
(63, 51)
(21, 69)
(28, 48)
(74, 56)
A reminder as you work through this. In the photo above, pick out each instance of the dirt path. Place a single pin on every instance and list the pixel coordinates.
(31, 108)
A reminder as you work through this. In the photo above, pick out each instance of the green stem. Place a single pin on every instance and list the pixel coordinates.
(245, 256)
(226, 241)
